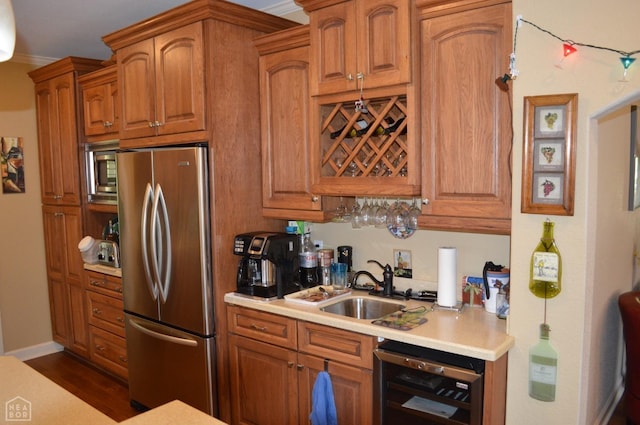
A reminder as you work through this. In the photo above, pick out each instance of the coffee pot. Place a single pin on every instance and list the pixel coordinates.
(268, 267)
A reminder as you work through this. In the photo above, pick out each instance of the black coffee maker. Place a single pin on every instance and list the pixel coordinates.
(268, 268)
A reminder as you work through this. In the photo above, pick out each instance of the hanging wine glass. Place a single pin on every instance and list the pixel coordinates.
(366, 213)
(380, 219)
(341, 212)
(412, 216)
(356, 216)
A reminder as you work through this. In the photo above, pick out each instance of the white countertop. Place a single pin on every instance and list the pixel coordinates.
(101, 268)
(473, 332)
(40, 401)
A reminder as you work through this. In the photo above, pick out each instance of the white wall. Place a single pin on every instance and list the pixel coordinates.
(24, 299)
(600, 236)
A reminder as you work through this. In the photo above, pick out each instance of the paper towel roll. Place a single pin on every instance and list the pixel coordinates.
(447, 276)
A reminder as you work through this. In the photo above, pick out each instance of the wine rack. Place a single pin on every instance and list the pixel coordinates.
(372, 143)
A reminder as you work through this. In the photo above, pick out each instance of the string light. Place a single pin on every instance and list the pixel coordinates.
(568, 48)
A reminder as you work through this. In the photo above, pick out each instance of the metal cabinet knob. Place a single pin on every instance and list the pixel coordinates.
(425, 201)
(314, 198)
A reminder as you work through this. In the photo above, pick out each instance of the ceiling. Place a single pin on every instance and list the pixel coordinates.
(48, 30)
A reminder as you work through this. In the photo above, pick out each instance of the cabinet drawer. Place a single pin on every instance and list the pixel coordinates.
(336, 344)
(271, 328)
(104, 283)
(106, 313)
(109, 351)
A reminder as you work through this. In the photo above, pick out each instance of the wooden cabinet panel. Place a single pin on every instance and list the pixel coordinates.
(62, 232)
(271, 328)
(79, 337)
(352, 389)
(336, 344)
(136, 82)
(264, 386)
(99, 100)
(465, 127)
(360, 42)
(59, 307)
(161, 82)
(106, 313)
(58, 141)
(286, 178)
(103, 284)
(109, 351)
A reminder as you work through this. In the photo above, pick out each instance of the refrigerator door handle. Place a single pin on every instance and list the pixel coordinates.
(144, 227)
(161, 259)
(163, 337)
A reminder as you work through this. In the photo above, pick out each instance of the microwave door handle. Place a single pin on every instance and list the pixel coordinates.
(145, 241)
(163, 264)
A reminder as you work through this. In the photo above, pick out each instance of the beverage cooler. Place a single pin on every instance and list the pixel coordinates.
(416, 385)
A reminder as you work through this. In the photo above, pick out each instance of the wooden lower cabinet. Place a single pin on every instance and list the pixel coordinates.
(107, 344)
(272, 382)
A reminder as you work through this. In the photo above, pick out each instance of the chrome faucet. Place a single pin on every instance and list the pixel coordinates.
(387, 278)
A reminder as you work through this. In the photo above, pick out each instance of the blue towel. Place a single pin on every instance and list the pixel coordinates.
(323, 408)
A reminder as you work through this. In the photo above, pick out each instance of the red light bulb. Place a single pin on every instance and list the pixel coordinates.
(568, 49)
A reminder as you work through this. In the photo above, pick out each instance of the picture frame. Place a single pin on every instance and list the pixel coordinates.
(634, 162)
(402, 263)
(548, 160)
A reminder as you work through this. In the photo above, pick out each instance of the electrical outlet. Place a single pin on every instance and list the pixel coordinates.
(318, 244)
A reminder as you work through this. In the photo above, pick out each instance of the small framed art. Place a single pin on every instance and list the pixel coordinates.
(548, 164)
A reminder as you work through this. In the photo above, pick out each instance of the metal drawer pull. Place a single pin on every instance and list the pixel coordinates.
(97, 311)
(100, 348)
(290, 364)
(123, 359)
(95, 283)
(120, 319)
(258, 328)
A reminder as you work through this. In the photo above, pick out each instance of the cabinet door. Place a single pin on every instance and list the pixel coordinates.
(79, 337)
(179, 79)
(286, 178)
(62, 232)
(352, 390)
(99, 109)
(57, 140)
(264, 383)
(384, 42)
(368, 39)
(59, 308)
(136, 82)
(465, 121)
(333, 48)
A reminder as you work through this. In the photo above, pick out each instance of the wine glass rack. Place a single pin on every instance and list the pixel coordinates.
(365, 142)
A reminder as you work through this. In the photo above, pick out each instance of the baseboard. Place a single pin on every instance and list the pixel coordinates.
(612, 404)
(34, 351)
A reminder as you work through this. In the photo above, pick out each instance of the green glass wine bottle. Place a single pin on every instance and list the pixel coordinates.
(545, 274)
(543, 368)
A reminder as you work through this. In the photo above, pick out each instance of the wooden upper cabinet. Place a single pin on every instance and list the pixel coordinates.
(359, 43)
(59, 130)
(100, 103)
(58, 142)
(466, 130)
(284, 86)
(161, 81)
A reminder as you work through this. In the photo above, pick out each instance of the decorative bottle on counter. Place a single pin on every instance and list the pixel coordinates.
(308, 262)
(545, 273)
(543, 368)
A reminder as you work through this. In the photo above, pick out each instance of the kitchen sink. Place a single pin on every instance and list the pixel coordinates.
(362, 308)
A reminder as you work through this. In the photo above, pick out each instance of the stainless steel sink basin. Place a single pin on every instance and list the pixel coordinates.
(362, 308)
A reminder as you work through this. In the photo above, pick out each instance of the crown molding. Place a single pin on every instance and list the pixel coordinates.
(285, 7)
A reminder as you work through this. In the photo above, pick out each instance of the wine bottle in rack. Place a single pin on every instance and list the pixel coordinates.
(353, 131)
(394, 127)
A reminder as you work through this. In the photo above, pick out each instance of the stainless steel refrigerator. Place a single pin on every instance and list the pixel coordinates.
(165, 247)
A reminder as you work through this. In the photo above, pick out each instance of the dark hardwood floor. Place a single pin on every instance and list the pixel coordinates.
(100, 390)
(111, 396)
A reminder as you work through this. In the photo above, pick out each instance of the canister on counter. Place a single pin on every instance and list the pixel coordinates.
(345, 255)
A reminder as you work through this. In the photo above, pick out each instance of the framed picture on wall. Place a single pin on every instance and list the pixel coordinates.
(548, 161)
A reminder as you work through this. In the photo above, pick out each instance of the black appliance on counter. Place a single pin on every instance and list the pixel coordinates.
(417, 385)
(268, 268)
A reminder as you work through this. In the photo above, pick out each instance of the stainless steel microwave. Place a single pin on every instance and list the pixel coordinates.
(102, 185)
